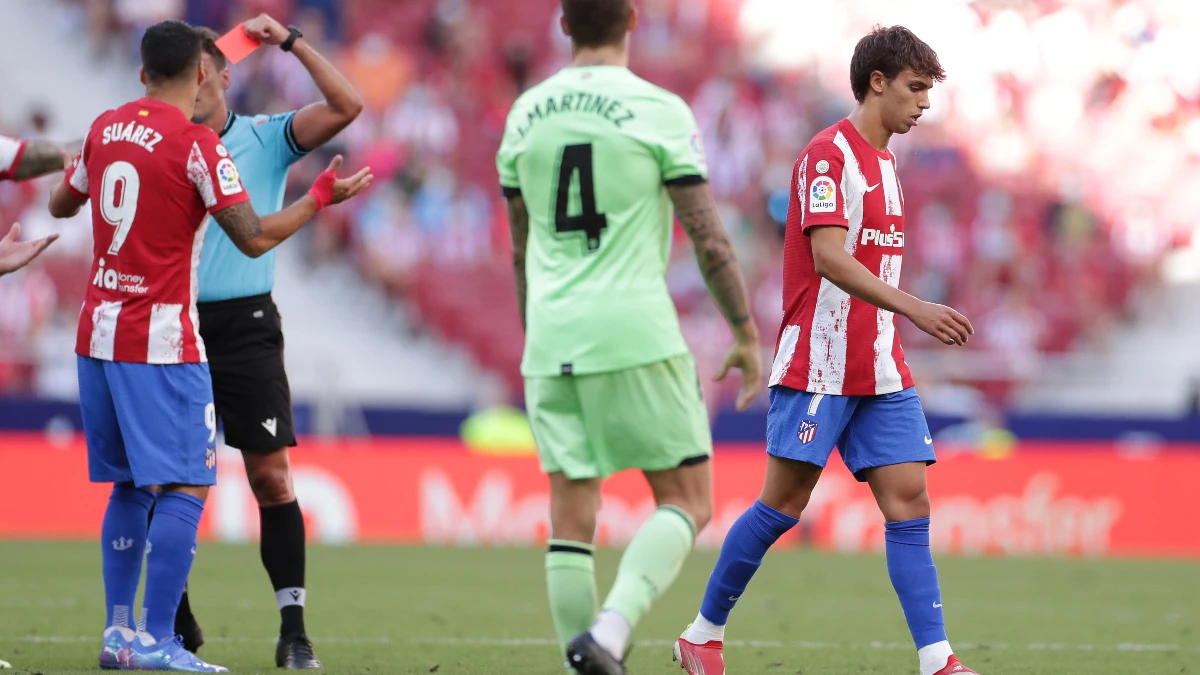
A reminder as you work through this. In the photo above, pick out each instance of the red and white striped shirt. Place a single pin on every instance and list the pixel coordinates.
(153, 177)
(829, 342)
(10, 156)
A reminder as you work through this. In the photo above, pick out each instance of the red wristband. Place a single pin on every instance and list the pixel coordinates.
(322, 188)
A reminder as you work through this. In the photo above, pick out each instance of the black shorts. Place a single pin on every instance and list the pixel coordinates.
(244, 341)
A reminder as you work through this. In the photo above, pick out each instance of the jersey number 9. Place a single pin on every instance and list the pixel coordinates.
(118, 200)
(578, 158)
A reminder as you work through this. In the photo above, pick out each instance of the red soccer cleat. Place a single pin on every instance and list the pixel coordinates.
(953, 666)
(705, 659)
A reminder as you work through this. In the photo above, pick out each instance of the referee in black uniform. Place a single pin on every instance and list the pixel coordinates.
(241, 327)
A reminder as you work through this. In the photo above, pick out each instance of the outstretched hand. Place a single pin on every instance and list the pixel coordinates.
(16, 254)
(328, 189)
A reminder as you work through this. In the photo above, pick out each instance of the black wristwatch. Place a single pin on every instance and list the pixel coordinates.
(293, 33)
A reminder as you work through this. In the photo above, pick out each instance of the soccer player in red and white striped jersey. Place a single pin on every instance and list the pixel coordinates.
(152, 177)
(831, 342)
(839, 377)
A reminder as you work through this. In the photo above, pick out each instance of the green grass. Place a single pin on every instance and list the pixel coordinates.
(414, 610)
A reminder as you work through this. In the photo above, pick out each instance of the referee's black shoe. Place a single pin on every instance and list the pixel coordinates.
(295, 652)
(187, 628)
(587, 657)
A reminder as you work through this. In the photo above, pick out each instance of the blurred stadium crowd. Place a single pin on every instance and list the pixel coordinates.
(1045, 187)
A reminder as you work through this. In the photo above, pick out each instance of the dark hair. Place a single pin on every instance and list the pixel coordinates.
(169, 50)
(596, 23)
(891, 50)
(208, 43)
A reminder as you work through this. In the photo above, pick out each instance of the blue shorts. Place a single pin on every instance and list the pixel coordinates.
(148, 424)
(869, 431)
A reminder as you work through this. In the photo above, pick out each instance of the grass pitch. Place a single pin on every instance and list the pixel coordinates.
(483, 612)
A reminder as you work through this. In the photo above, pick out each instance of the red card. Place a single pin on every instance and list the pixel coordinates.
(236, 45)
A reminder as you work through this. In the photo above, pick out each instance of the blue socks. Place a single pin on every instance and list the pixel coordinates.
(910, 565)
(169, 554)
(741, 554)
(122, 545)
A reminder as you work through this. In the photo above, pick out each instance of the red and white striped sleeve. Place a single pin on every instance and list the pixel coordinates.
(213, 172)
(819, 186)
(11, 150)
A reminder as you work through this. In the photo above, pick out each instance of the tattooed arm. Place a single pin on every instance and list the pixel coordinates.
(39, 159)
(518, 226)
(253, 235)
(714, 252)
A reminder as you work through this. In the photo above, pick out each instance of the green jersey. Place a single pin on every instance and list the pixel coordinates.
(591, 150)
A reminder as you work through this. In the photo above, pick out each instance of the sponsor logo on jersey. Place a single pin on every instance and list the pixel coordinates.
(892, 238)
(119, 281)
(822, 195)
(227, 177)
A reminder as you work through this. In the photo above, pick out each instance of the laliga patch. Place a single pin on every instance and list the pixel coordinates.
(823, 166)
(227, 177)
(822, 195)
(807, 432)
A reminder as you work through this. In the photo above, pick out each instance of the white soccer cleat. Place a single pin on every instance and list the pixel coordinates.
(5, 664)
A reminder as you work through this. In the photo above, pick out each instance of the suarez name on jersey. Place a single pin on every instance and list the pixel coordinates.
(152, 176)
(829, 342)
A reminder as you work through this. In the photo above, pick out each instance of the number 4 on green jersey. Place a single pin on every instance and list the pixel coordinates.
(591, 150)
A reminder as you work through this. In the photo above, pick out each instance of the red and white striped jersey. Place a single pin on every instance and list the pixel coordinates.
(153, 177)
(10, 156)
(829, 342)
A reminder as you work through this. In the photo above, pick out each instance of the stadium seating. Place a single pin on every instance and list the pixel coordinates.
(1010, 250)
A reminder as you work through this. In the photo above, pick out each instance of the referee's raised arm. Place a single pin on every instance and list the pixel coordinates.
(241, 326)
(317, 123)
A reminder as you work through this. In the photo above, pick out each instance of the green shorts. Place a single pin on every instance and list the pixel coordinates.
(591, 426)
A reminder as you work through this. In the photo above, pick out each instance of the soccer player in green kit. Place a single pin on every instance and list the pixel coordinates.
(592, 161)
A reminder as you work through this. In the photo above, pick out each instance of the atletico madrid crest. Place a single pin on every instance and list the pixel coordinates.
(808, 431)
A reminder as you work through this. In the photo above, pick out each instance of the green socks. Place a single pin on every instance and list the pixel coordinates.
(571, 582)
(651, 563)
